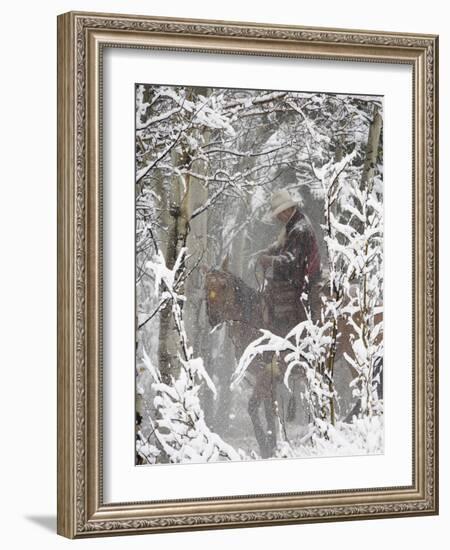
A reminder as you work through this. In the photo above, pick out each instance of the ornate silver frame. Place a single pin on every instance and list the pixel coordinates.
(81, 510)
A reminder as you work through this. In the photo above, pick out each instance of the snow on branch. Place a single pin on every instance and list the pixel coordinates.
(306, 347)
(180, 427)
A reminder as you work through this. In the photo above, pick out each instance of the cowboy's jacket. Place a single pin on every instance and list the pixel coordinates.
(297, 255)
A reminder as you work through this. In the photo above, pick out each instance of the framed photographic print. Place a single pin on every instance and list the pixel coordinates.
(247, 287)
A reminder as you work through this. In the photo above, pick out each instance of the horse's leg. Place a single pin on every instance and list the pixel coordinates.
(269, 410)
(253, 410)
(269, 386)
(354, 412)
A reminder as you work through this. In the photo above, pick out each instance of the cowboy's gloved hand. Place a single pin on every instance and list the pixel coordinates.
(265, 261)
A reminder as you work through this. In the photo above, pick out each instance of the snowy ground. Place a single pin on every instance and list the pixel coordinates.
(361, 437)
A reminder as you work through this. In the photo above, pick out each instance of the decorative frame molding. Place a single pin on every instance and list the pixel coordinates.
(81, 36)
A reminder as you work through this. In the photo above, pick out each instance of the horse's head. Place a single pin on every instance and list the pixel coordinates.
(220, 296)
(228, 298)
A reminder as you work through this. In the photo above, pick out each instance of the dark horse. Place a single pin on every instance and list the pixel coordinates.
(229, 299)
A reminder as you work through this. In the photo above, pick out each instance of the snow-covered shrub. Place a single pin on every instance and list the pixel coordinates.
(365, 304)
(354, 237)
(180, 430)
(305, 347)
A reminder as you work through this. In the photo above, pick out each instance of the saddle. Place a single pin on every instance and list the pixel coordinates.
(285, 299)
(282, 304)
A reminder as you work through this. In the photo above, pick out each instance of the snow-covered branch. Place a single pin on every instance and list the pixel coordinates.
(180, 428)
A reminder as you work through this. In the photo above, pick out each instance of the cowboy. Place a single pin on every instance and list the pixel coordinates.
(291, 266)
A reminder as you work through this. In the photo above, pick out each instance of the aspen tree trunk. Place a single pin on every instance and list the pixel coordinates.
(195, 307)
(373, 143)
(167, 350)
(186, 194)
(372, 149)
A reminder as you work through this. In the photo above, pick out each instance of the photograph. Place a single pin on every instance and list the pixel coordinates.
(259, 269)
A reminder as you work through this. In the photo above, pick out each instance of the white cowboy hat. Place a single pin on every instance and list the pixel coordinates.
(281, 200)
